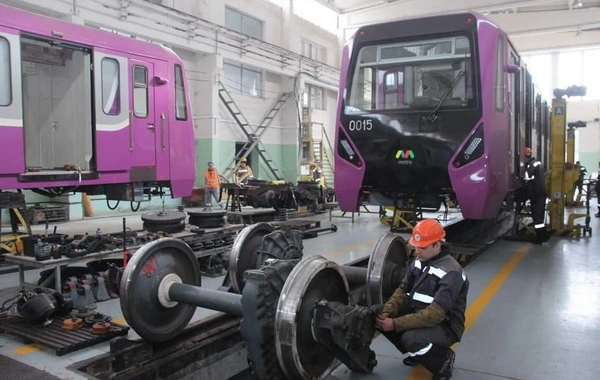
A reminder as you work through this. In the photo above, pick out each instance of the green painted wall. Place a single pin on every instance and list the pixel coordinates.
(99, 206)
(590, 160)
(285, 156)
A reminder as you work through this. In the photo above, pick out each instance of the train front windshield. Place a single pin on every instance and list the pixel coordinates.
(412, 76)
(408, 107)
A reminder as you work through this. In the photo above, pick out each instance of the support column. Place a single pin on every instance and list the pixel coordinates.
(205, 105)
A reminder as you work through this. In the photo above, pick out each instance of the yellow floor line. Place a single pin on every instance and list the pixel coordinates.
(474, 311)
(28, 349)
(120, 321)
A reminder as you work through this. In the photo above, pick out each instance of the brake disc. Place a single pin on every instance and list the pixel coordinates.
(207, 218)
(165, 221)
(259, 303)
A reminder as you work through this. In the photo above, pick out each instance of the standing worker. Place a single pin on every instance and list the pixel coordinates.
(211, 186)
(536, 192)
(426, 314)
(582, 174)
(244, 172)
(597, 188)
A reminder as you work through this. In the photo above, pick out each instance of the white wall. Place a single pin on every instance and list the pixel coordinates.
(587, 140)
(211, 115)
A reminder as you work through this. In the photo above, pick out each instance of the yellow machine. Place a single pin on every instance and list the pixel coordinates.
(11, 242)
(563, 174)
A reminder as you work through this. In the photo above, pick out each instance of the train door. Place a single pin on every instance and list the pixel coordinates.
(143, 123)
(513, 109)
(114, 135)
(57, 113)
(11, 107)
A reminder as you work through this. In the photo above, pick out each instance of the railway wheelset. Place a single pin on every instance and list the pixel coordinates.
(298, 316)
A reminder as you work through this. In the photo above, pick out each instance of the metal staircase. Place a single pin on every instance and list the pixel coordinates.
(321, 155)
(253, 137)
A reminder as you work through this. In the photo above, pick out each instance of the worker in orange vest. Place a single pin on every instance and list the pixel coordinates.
(211, 186)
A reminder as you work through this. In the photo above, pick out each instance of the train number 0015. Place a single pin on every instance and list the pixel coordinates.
(360, 125)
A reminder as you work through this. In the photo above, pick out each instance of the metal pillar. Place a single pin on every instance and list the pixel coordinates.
(557, 157)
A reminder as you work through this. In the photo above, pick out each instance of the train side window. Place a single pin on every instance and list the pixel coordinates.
(111, 87)
(500, 75)
(140, 91)
(180, 106)
(5, 82)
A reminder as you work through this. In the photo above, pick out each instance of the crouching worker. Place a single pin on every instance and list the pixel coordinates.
(426, 314)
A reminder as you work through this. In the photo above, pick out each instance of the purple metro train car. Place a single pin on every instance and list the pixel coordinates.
(435, 107)
(91, 111)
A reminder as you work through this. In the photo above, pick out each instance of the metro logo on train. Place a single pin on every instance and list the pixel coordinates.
(406, 154)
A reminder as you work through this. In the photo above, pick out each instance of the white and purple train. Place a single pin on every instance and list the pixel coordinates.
(435, 107)
(91, 111)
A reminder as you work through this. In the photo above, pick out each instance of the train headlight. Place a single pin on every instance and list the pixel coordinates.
(472, 150)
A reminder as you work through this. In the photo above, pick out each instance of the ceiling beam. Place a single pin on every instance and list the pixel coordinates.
(536, 23)
(410, 9)
(328, 5)
(559, 41)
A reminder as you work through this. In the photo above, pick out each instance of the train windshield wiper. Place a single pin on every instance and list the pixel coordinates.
(433, 114)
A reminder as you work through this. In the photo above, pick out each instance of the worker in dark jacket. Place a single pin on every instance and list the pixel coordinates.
(597, 189)
(536, 192)
(426, 314)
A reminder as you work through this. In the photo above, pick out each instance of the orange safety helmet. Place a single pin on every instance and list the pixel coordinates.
(527, 151)
(426, 232)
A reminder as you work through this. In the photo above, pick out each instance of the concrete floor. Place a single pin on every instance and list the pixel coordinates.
(532, 309)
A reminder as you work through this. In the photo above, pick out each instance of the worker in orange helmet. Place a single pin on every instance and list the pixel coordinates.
(535, 191)
(426, 314)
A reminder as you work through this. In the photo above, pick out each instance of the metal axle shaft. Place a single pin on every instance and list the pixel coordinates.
(209, 299)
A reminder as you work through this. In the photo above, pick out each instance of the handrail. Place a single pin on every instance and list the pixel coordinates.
(328, 144)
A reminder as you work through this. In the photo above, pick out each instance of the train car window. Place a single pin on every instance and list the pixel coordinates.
(5, 82)
(500, 75)
(140, 91)
(111, 87)
(180, 106)
(413, 75)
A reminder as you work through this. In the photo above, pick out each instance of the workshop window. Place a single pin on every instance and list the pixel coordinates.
(180, 105)
(140, 91)
(5, 82)
(243, 23)
(500, 75)
(314, 97)
(591, 77)
(243, 79)
(314, 51)
(111, 87)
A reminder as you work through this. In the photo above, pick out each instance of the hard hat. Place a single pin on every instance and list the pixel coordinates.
(527, 150)
(243, 159)
(426, 232)
(210, 163)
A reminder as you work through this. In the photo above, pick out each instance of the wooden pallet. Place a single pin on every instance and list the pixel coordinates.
(56, 338)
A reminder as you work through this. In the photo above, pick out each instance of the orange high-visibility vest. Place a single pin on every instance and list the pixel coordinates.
(211, 179)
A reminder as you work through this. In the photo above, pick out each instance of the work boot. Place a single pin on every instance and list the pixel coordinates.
(410, 361)
(445, 372)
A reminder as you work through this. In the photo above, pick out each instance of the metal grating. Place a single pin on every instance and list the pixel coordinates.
(56, 338)
(15, 370)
